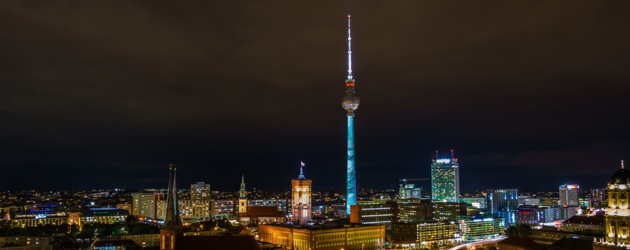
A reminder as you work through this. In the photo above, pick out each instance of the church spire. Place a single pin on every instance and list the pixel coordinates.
(172, 220)
(243, 192)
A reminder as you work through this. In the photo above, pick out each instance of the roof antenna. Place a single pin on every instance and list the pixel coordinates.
(436, 154)
(622, 167)
(452, 155)
(349, 51)
(301, 176)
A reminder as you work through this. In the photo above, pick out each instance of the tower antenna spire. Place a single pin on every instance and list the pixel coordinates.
(301, 176)
(349, 51)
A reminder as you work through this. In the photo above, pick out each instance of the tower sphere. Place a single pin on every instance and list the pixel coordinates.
(350, 102)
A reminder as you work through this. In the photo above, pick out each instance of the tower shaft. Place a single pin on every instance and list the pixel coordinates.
(351, 189)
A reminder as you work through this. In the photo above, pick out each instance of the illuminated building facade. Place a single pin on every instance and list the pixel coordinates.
(262, 214)
(569, 195)
(409, 190)
(125, 206)
(414, 210)
(26, 242)
(503, 203)
(34, 218)
(501, 200)
(224, 208)
(404, 234)
(479, 227)
(476, 202)
(195, 209)
(588, 224)
(427, 234)
(438, 233)
(198, 206)
(532, 216)
(322, 237)
(448, 211)
(103, 216)
(350, 103)
(445, 180)
(143, 240)
(373, 213)
(301, 202)
(147, 204)
(558, 213)
(528, 201)
(281, 204)
(617, 217)
(597, 195)
(200, 191)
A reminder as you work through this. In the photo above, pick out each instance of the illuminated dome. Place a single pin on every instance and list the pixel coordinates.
(622, 176)
(350, 102)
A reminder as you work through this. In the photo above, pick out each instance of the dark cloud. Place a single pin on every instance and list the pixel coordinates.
(103, 94)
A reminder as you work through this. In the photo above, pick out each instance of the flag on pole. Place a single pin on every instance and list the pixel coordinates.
(302, 163)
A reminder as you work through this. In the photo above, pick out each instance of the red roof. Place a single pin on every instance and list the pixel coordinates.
(263, 211)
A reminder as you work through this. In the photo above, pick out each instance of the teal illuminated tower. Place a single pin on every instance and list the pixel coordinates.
(350, 102)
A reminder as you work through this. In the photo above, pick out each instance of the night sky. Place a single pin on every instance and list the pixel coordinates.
(104, 94)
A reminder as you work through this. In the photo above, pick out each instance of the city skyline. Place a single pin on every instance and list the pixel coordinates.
(531, 92)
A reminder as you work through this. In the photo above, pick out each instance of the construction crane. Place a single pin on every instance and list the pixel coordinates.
(404, 181)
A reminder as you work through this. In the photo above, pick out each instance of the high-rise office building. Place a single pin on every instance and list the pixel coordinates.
(569, 195)
(200, 191)
(597, 195)
(148, 205)
(503, 203)
(501, 200)
(301, 203)
(409, 190)
(445, 180)
(199, 205)
(350, 102)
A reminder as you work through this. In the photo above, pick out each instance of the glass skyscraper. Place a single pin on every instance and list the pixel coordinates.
(445, 180)
(569, 195)
(503, 203)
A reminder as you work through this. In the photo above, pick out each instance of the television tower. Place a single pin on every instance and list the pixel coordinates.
(350, 102)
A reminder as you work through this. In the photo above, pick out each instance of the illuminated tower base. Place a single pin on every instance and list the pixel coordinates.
(351, 192)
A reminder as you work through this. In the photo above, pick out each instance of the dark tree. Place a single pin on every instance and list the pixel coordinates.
(520, 230)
